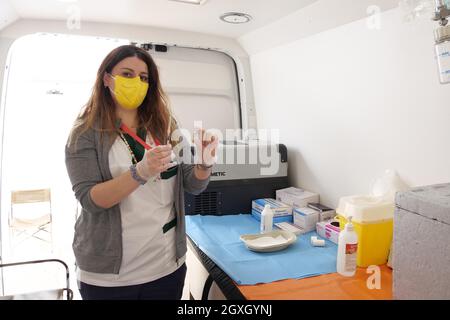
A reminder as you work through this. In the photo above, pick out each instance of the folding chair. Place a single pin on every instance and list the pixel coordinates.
(28, 223)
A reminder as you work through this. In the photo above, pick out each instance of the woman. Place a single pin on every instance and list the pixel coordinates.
(130, 240)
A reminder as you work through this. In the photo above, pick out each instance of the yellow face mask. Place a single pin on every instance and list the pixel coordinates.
(129, 92)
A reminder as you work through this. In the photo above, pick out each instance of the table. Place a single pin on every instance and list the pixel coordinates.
(330, 286)
(324, 287)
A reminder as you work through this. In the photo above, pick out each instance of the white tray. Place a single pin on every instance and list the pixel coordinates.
(269, 242)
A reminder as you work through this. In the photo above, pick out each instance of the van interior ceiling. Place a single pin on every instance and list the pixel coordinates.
(330, 180)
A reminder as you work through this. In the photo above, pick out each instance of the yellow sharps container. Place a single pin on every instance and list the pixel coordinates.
(373, 222)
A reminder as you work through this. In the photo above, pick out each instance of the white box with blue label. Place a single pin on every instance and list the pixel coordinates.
(278, 208)
(306, 218)
(281, 211)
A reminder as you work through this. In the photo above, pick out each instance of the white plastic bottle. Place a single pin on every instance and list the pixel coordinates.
(347, 250)
(266, 219)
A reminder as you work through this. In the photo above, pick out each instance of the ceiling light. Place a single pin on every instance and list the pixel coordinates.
(235, 17)
(197, 2)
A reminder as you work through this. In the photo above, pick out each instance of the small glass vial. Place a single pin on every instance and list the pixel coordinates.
(442, 37)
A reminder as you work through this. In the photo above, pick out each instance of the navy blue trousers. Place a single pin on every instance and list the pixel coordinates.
(169, 287)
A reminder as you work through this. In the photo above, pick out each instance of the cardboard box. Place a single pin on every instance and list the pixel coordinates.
(328, 231)
(278, 208)
(325, 213)
(288, 226)
(257, 215)
(296, 197)
(306, 218)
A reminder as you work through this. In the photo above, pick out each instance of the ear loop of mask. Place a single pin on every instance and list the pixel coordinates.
(111, 76)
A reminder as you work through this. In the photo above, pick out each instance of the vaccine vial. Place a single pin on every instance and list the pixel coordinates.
(442, 37)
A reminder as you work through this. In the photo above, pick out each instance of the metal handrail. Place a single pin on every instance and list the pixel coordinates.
(69, 292)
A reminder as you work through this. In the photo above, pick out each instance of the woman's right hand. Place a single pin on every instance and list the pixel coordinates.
(155, 161)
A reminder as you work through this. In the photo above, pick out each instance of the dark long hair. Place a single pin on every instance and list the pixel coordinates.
(99, 112)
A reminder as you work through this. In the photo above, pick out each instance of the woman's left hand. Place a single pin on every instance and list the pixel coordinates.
(206, 144)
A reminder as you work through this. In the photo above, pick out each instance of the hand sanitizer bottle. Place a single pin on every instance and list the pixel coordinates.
(266, 219)
(347, 250)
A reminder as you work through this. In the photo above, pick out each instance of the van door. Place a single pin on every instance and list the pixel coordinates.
(202, 85)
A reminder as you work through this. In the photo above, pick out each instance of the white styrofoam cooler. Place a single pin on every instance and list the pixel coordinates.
(421, 247)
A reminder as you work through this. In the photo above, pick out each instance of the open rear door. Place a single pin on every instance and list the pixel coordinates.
(202, 85)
